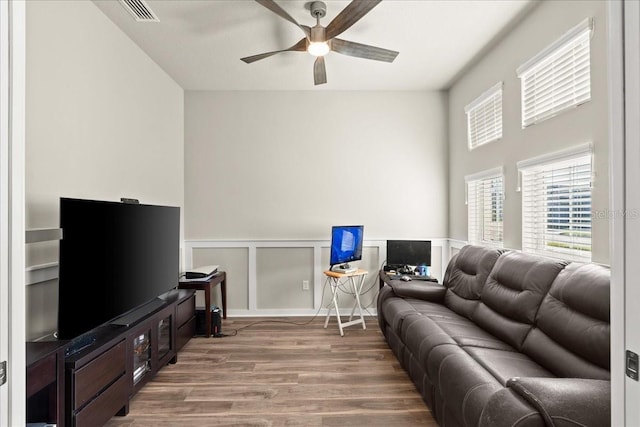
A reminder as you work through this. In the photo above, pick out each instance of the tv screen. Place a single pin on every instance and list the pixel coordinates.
(346, 244)
(401, 253)
(114, 257)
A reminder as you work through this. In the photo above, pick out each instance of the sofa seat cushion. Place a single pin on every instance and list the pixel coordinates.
(466, 333)
(433, 309)
(421, 333)
(505, 365)
(396, 309)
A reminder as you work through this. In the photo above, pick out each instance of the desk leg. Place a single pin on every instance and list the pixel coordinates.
(223, 291)
(334, 291)
(207, 308)
(326, 320)
(357, 288)
(356, 291)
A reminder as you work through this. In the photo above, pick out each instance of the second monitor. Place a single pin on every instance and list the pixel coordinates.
(406, 254)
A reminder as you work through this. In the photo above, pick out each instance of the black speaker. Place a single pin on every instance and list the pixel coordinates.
(216, 322)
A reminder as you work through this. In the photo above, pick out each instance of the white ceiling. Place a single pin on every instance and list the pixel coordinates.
(199, 43)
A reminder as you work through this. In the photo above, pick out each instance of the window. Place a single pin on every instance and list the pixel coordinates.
(556, 204)
(485, 199)
(557, 78)
(484, 117)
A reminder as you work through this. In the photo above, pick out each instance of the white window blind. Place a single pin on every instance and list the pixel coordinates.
(556, 206)
(484, 117)
(557, 78)
(485, 201)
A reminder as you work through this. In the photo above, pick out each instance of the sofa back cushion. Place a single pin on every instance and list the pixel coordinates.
(572, 335)
(513, 293)
(465, 276)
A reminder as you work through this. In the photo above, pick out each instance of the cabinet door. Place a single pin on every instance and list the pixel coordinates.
(185, 321)
(140, 343)
(164, 334)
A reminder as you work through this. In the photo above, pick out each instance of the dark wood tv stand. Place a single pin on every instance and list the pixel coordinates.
(91, 386)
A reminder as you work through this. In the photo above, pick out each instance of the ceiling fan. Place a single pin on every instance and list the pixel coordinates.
(319, 40)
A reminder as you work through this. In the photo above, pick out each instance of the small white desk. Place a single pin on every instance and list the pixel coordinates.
(355, 280)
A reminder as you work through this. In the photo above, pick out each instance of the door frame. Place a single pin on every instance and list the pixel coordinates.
(12, 208)
(624, 153)
(631, 147)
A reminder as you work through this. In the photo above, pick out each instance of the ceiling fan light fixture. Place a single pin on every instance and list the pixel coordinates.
(318, 48)
(319, 40)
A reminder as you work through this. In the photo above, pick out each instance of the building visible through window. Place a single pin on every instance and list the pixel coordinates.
(556, 205)
(485, 207)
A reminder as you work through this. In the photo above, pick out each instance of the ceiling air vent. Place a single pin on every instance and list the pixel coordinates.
(139, 10)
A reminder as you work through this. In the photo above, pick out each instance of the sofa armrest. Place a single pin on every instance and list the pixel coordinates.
(563, 401)
(385, 292)
(505, 408)
(426, 291)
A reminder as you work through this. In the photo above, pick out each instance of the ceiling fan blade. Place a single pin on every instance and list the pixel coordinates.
(349, 16)
(360, 50)
(275, 8)
(301, 46)
(319, 71)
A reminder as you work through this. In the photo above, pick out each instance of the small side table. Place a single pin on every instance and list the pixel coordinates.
(356, 280)
(207, 285)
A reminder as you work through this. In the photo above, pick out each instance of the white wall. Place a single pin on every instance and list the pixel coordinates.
(103, 122)
(286, 166)
(588, 122)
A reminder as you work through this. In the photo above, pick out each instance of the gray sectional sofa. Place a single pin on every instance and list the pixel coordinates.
(508, 339)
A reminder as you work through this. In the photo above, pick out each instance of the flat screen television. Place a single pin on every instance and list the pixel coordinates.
(404, 253)
(114, 257)
(346, 245)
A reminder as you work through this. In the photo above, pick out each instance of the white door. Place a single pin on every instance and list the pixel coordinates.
(4, 246)
(632, 201)
(12, 231)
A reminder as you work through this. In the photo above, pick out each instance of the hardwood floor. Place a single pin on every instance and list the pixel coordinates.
(280, 374)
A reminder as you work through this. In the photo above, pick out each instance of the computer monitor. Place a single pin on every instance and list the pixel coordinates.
(346, 246)
(407, 254)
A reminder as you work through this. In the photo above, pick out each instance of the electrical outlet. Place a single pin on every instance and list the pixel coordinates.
(305, 285)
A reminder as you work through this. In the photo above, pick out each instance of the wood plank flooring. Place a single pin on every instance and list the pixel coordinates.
(274, 373)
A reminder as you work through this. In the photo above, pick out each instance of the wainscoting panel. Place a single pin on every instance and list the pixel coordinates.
(264, 278)
(279, 274)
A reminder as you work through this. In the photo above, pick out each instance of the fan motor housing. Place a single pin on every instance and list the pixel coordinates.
(318, 9)
(317, 34)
